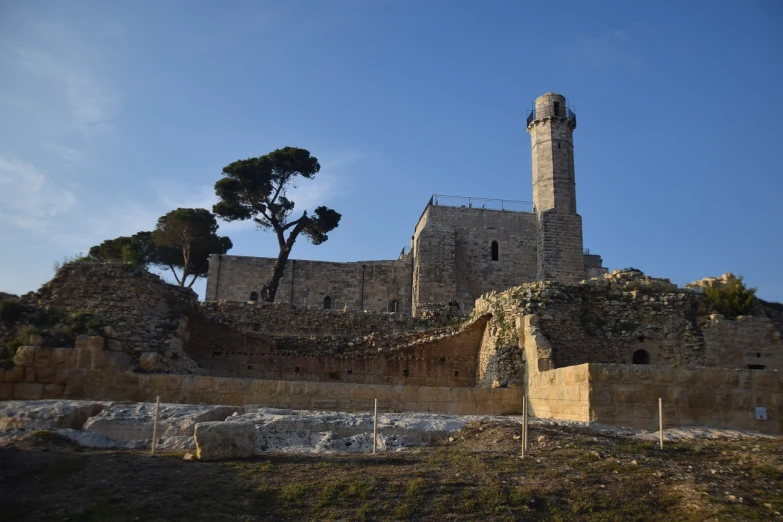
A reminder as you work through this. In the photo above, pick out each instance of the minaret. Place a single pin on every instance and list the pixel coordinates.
(551, 126)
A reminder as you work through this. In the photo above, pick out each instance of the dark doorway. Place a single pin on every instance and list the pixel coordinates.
(327, 303)
(641, 357)
(495, 251)
(254, 296)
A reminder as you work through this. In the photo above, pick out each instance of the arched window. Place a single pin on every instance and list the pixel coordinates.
(254, 296)
(494, 251)
(327, 303)
(394, 306)
(641, 357)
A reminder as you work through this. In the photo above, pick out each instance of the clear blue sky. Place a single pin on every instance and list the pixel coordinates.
(114, 113)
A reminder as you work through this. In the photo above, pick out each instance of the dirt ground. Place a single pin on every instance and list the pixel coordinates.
(569, 474)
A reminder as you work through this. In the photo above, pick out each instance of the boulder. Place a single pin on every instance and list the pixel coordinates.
(225, 440)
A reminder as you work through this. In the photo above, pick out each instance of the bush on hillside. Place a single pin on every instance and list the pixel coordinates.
(730, 299)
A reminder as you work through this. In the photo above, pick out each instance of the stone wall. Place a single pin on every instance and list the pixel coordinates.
(627, 395)
(441, 358)
(138, 311)
(284, 319)
(608, 320)
(362, 285)
(452, 251)
(88, 372)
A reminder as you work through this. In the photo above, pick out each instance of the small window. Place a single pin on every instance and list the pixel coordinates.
(394, 306)
(756, 367)
(456, 374)
(557, 108)
(641, 357)
(327, 303)
(495, 251)
(406, 373)
(254, 296)
(296, 370)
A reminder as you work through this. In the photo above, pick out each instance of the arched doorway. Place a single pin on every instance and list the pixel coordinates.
(641, 357)
(327, 303)
(254, 296)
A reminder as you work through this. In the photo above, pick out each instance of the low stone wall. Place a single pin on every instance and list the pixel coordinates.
(425, 359)
(627, 395)
(90, 372)
(286, 319)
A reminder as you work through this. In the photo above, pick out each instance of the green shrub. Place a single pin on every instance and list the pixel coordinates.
(731, 299)
(82, 323)
(632, 269)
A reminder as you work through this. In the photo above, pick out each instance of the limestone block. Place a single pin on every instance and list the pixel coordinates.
(53, 391)
(95, 343)
(150, 361)
(62, 375)
(676, 395)
(701, 398)
(82, 341)
(60, 357)
(610, 375)
(686, 376)
(28, 391)
(119, 360)
(83, 356)
(43, 357)
(206, 384)
(29, 374)
(625, 395)
(766, 380)
(45, 375)
(6, 390)
(25, 356)
(74, 391)
(15, 374)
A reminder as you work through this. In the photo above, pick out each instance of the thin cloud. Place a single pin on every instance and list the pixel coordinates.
(29, 198)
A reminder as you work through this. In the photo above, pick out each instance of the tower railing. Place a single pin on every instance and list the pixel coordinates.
(486, 203)
(549, 112)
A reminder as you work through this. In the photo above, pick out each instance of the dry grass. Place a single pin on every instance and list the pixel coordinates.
(569, 475)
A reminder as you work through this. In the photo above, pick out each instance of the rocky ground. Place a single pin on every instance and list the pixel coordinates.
(318, 465)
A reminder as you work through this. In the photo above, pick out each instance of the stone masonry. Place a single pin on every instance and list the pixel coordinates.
(457, 252)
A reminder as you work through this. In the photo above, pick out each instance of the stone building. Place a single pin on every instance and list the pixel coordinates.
(458, 251)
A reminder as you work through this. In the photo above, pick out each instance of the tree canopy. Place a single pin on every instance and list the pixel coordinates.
(137, 249)
(256, 188)
(184, 238)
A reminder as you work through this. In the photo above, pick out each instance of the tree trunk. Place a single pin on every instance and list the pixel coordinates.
(277, 274)
(282, 258)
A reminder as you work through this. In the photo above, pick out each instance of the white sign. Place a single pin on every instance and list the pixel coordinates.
(761, 413)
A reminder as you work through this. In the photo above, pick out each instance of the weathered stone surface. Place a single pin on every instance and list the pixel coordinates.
(225, 440)
(47, 414)
(134, 421)
(150, 361)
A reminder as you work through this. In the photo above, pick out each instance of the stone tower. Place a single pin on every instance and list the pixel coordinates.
(559, 228)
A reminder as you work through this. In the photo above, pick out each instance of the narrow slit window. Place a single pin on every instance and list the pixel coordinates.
(494, 251)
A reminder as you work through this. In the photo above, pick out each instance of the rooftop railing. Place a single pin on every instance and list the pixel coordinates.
(549, 112)
(486, 203)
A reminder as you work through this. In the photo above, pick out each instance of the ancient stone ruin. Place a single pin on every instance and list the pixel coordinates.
(540, 318)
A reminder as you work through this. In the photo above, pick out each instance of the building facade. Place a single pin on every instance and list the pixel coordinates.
(458, 251)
